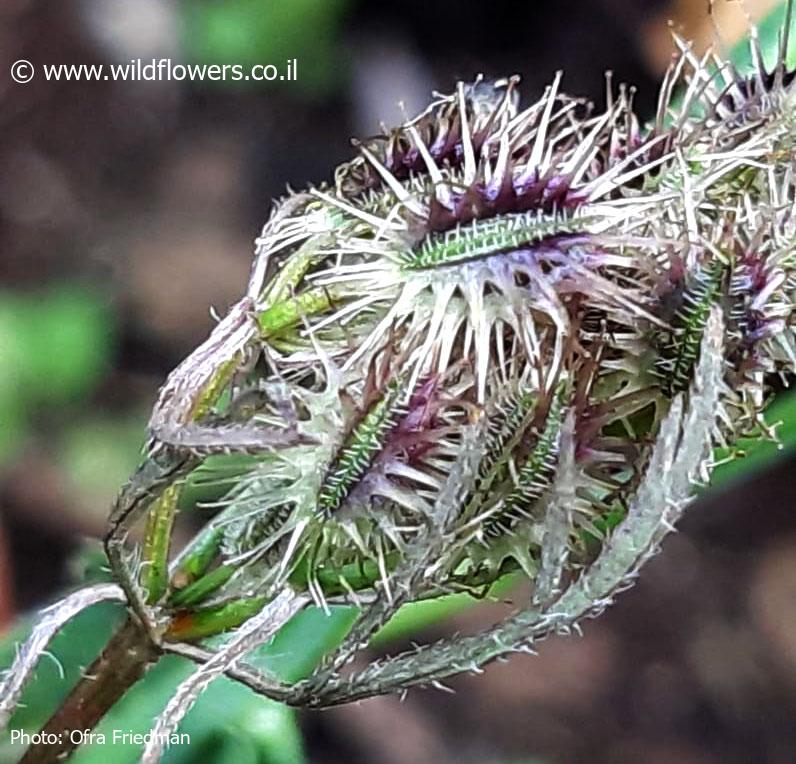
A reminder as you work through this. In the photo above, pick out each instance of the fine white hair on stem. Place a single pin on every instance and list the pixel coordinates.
(254, 633)
(51, 622)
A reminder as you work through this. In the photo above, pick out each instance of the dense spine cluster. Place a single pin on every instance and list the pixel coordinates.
(359, 449)
(506, 424)
(534, 477)
(679, 356)
(514, 267)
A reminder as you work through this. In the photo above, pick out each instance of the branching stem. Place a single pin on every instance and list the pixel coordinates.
(121, 664)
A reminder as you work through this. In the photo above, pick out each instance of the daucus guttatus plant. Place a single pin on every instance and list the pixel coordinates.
(501, 338)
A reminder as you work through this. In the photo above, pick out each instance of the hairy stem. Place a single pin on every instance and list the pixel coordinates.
(52, 621)
(121, 664)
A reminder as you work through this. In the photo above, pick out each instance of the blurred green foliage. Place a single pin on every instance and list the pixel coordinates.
(249, 32)
(96, 453)
(55, 346)
(759, 455)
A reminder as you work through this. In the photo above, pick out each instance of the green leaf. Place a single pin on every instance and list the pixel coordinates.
(304, 640)
(74, 647)
(63, 339)
(55, 347)
(415, 616)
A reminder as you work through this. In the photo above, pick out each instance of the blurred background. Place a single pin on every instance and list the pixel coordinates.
(128, 209)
